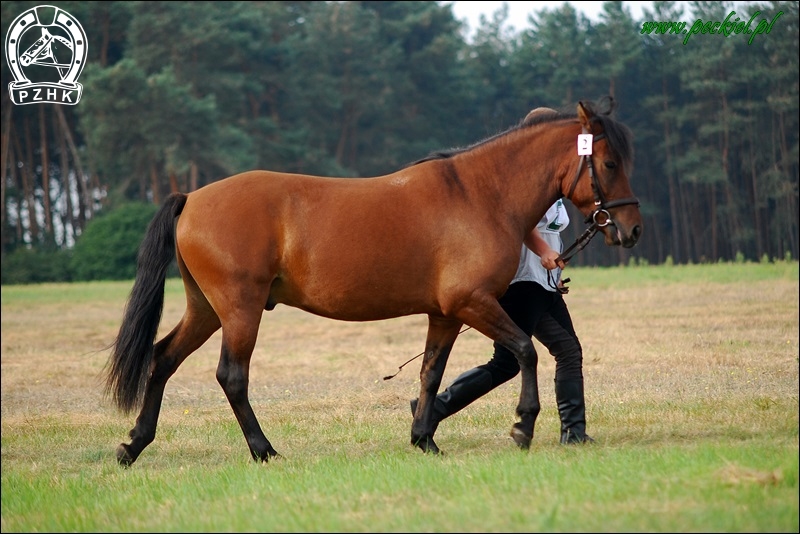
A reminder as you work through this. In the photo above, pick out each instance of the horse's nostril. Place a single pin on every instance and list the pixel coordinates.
(637, 232)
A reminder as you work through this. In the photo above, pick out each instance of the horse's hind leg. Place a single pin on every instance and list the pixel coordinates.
(190, 333)
(233, 374)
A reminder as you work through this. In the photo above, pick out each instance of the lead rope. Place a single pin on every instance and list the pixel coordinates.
(567, 255)
(580, 243)
(389, 377)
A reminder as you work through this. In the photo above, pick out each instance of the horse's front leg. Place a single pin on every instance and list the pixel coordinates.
(485, 314)
(442, 333)
(529, 406)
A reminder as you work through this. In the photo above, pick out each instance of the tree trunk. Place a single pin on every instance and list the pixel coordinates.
(754, 181)
(48, 214)
(4, 162)
(789, 206)
(173, 182)
(732, 216)
(193, 176)
(84, 199)
(712, 194)
(16, 179)
(29, 184)
(154, 184)
(68, 219)
(672, 187)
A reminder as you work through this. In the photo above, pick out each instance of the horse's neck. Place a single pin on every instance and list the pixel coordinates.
(523, 170)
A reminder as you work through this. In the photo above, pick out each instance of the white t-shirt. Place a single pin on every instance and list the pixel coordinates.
(550, 227)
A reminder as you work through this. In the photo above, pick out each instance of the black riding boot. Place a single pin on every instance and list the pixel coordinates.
(467, 387)
(572, 410)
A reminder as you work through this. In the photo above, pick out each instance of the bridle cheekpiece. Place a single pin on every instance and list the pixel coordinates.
(600, 217)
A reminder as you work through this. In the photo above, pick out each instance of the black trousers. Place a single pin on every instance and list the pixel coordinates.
(544, 315)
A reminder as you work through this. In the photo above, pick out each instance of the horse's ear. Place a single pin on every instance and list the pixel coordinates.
(585, 116)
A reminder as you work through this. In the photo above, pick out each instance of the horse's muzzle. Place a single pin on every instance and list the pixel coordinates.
(615, 237)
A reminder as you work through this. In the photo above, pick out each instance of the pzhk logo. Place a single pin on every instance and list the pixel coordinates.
(51, 54)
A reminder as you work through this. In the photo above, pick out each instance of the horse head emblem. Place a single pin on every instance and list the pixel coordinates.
(52, 54)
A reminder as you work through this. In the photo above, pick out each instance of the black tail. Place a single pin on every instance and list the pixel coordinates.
(129, 364)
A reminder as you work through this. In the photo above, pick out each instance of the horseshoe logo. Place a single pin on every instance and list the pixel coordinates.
(32, 43)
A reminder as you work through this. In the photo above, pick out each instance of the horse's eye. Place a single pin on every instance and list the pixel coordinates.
(610, 165)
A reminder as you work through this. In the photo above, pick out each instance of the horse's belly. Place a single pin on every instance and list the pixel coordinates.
(351, 299)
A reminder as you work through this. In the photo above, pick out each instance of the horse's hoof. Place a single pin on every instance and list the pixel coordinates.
(522, 439)
(271, 455)
(427, 445)
(124, 456)
(266, 456)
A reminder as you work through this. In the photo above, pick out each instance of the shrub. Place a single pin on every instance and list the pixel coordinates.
(35, 265)
(107, 248)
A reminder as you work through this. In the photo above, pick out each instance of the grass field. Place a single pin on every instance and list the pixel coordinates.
(691, 382)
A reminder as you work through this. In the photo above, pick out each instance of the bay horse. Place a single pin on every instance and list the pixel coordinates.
(440, 237)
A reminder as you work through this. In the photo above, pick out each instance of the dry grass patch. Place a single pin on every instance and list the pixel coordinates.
(646, 347)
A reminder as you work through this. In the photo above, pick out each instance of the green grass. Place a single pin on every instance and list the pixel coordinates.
(746, 485)
(198, 480)
(692, 392)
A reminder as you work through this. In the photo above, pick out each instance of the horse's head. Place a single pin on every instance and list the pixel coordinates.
(601, 189)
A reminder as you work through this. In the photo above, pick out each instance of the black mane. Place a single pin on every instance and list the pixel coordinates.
(618, 135)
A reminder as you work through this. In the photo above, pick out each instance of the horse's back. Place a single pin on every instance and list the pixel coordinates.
(347, 248)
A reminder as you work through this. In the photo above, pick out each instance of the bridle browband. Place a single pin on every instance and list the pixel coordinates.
(600, 217)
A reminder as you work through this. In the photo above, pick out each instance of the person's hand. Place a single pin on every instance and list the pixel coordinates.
(550, 260)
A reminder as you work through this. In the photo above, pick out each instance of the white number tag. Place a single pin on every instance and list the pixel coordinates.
(585, 144)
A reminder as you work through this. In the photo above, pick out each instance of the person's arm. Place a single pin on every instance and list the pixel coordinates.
(539, 246)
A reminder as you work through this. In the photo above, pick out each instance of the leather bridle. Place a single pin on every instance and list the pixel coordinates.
(600, 217)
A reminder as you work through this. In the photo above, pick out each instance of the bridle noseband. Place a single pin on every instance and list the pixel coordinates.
(600, 217)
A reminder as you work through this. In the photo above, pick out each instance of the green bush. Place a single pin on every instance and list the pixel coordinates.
(108, 246)
(33, 266)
